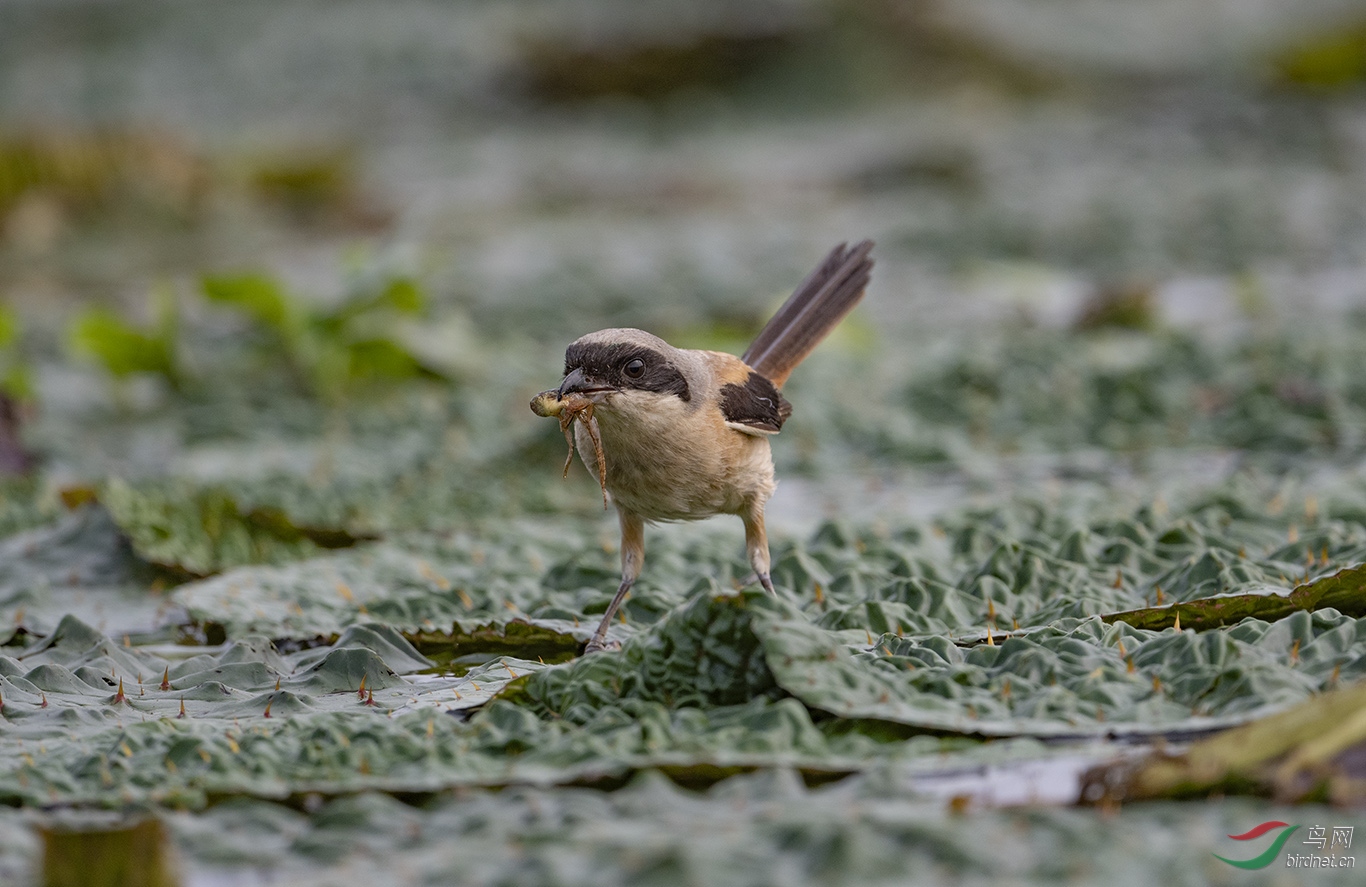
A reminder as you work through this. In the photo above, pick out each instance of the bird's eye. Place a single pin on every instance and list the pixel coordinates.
(635, 368)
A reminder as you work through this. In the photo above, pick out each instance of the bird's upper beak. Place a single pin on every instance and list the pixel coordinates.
(578, 382)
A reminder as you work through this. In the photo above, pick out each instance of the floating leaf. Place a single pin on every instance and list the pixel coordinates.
(205, 531)
(1344, 591)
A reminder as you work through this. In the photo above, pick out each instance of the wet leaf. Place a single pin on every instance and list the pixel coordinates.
(205, 531)
(1344, 591)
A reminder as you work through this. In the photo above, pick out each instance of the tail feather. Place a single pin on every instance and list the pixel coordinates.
(813, 310)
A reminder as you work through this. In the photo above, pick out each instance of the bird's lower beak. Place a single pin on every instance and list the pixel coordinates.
(578, 382)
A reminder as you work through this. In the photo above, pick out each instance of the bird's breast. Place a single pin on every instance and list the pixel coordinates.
(671, 460)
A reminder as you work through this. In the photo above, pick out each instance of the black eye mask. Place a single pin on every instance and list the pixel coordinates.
(607, 362)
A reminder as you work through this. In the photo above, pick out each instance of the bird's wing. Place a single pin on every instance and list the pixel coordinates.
(749, 402)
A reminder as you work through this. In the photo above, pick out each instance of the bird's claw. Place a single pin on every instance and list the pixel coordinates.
(597, 646)
(760, 579)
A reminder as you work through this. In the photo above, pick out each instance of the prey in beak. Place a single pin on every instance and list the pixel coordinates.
(568, 406)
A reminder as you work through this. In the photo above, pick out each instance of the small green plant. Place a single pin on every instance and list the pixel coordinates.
(124, 349)
(1332, 60)
(15, 382)
(310, 184)
(330, 348)
(15, 390)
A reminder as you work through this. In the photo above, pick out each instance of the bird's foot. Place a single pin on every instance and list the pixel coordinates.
(600, 645)
(761, 578)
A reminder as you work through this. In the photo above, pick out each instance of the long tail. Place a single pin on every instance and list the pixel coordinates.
(812, 311)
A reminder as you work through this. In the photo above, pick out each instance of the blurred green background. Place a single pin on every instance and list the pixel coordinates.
(277, 279)
(182, 183)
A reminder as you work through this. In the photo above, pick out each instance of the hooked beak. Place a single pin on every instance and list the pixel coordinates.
(577, 382)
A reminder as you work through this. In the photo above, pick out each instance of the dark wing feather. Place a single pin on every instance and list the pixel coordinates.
(814, 308)
(756, 404)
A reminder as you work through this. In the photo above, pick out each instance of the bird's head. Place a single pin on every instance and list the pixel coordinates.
(623, 367)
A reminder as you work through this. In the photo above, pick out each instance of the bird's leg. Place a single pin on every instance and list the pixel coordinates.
(756, 543)
(632, 559)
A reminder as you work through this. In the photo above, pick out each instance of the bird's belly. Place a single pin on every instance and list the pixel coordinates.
(667, 474)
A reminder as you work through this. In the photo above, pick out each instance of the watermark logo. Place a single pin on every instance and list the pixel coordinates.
(1269, 855)
(1333, 840)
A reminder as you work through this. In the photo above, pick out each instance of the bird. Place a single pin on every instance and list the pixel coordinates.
(684, 434)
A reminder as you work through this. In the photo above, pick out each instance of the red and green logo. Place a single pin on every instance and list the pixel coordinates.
(1269, 855)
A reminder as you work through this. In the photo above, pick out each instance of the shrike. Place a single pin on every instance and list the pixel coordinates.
(683, 434)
